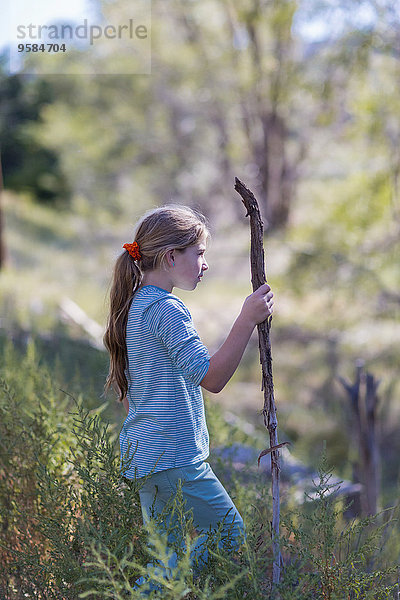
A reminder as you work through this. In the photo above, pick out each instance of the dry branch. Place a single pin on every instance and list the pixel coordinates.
(71, 311)
(258, 278)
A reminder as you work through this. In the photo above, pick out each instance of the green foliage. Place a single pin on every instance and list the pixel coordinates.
(71, 527)
(28, 165)
(60, 485)
(72, 363)
(332, 559)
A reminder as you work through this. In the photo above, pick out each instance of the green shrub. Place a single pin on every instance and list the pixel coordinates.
(71, 526)
(331, 559)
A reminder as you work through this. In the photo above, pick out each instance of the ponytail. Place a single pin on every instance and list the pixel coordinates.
(126, 279)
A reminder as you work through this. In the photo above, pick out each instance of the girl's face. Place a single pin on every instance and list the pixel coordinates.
(189, 266)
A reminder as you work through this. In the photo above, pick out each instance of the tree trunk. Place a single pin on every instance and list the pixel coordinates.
(277, 184)
(364, 401)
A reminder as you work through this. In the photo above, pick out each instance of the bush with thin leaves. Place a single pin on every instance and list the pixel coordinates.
(332, 559)
(71, 525)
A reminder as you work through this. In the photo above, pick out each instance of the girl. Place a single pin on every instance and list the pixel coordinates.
(158, 365)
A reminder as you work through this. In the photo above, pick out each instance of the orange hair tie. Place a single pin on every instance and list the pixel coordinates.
(133, 250)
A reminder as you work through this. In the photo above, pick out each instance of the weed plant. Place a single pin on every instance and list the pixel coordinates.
(71, 525)
(330, 558)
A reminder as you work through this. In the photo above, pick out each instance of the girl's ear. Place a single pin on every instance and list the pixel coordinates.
(170, 258)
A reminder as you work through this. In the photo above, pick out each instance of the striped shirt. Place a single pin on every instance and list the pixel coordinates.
(166, 425)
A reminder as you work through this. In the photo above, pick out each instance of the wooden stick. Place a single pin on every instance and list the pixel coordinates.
(269, 411)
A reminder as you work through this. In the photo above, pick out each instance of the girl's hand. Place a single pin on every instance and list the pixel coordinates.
(258, 306)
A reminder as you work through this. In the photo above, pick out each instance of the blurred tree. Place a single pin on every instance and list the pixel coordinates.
(2, 243)
(266, 98)
(234, 90)
(241, 64)
(27, 165)
(219, 102)
(360, 63)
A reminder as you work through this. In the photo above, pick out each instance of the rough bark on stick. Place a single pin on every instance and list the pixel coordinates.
(269, 411)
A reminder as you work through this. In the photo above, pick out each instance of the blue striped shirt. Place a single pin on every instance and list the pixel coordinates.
(166, 424)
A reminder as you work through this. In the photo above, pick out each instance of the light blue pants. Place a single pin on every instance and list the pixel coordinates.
(203, 494)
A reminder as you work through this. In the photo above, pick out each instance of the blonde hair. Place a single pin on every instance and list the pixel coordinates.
(170, 227)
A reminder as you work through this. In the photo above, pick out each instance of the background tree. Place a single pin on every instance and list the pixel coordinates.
(221, 97)
(28, 165)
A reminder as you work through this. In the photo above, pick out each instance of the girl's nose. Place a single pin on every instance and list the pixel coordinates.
(205, 265)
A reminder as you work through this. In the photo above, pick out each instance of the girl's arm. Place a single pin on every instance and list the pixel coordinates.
(256, 308)
(125, 402)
